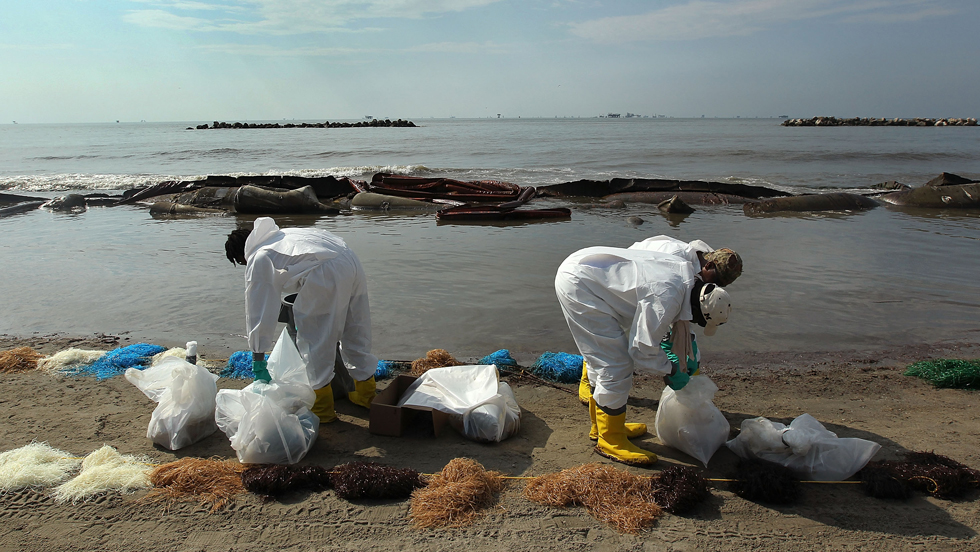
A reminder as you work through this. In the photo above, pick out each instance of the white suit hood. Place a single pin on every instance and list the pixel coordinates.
(667, 244)
(305, 241)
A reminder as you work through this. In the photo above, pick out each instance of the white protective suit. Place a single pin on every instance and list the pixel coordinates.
(667, 244)
(331, 305)
(619, 304)
(689, 252)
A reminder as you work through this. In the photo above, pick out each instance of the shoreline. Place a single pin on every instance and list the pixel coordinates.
(717, 361)
(853, 393)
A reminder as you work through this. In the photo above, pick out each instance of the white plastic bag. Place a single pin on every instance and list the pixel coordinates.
(271, 423)
(688, 421)
(481, 407)
(185, 396)
(805, 446)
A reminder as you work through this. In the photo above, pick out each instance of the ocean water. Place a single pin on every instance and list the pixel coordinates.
(811, 282)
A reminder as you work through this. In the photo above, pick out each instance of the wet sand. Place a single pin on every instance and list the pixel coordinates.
(853, 393)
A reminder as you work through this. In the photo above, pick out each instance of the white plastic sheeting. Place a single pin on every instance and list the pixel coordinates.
(482, 408)
(271, 423)
(805, 446)
(185, 397)
(689, 421)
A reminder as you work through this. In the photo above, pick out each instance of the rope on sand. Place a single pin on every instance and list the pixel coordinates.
(456, 495)
(618, 498)
(34, 466)
(436, 358)
(103, 471)
(68, 360)
(213, 481)
(19, 359)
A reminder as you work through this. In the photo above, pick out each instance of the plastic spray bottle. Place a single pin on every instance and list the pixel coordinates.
(191, 355)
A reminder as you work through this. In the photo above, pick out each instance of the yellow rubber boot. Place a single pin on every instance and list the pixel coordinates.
(613, 443)
(323, 407)
(363, 392)
(632, 430)
(584, 389)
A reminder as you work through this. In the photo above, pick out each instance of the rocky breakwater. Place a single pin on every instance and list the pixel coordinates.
(861, 121)
(325, 124)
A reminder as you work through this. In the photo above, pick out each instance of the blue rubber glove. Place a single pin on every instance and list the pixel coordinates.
(261, 370)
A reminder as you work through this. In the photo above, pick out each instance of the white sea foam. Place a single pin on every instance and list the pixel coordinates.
(75, 181)
(68, 182)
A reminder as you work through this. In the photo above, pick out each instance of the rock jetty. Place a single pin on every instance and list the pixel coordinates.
(325, 124)
(861, 121)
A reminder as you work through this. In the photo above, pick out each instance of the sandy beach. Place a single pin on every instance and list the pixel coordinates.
(853, 393)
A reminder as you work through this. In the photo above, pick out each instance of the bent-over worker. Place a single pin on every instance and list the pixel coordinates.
(719, 267)
(331, 304)
(619, 304)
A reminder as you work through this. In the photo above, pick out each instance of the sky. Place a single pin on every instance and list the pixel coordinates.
(318, 60)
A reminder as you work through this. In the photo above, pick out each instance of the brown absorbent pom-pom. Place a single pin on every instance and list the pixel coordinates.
(356, 480)
(455, 496)
(680, 489)
(935, 474)
(619, 498)
(214, 482)
(436, 358)
(880, 480)
(764, 481)
(277, 479)
(21, 359)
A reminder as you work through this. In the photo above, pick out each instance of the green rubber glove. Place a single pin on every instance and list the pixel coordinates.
(678, 380)
(261, 370)
(692, 365)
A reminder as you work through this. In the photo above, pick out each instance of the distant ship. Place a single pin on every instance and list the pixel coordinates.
(613, 115)
(369, 117)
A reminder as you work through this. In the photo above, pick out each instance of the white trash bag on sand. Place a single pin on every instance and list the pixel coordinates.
(688, 421)
(805, 446)
(185, 397)
(271, 423)
(481, 407)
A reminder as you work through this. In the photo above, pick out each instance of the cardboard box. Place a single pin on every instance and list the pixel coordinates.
(387, 418)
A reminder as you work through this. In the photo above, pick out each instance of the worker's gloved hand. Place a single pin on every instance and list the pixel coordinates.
(693, 366)
(677, 380)
(261, 370)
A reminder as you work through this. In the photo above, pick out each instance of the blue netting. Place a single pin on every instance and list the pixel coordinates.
(239, 366)
(386, 369)
(116, 361)
(500, 358)
(560, 367)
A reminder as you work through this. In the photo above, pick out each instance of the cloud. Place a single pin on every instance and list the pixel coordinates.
(288, 16)
(37, 47)
(462, 48)
(698, 19)
(266, 50)
(165, 20)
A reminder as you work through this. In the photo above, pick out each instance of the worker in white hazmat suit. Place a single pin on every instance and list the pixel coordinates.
(619, 304)
(720, 267)
(331, 304)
